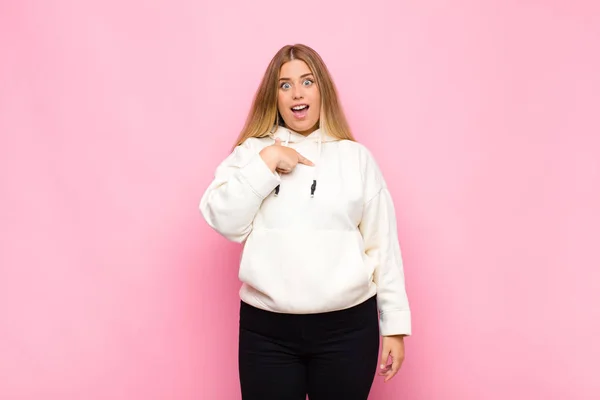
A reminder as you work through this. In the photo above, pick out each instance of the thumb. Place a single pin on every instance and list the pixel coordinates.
(277, 142)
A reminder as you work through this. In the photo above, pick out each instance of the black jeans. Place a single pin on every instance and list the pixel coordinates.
(328, 356)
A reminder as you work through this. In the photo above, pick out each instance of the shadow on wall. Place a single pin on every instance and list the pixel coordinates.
(214, 286)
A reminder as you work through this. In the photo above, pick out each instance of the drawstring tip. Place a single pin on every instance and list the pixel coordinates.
(313, 188)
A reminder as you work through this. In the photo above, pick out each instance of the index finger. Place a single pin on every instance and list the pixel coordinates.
(304, 160)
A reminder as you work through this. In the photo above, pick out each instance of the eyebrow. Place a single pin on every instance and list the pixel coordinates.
(301, 76)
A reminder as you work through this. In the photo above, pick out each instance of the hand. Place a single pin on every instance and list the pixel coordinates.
(282, 159)
(392, 346)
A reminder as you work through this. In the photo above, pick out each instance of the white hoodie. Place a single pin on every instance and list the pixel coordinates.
(310, 254)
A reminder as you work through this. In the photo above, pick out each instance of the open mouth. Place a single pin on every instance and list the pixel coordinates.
(300, 110)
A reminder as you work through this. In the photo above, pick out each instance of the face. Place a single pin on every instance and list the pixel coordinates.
(299, 98)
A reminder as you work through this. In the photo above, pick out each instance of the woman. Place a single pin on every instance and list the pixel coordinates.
(321, 268)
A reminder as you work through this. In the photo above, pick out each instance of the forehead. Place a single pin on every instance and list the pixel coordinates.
(294, 69)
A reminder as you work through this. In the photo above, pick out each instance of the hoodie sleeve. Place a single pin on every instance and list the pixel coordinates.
(379, 230)
(241, 182)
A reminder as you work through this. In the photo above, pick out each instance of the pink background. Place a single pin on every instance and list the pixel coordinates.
(484, 117)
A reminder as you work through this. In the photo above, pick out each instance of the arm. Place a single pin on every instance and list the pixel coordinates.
(379, 230)
(241, 183)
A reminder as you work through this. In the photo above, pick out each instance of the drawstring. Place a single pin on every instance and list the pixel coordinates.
(313, 187)
(287, 141)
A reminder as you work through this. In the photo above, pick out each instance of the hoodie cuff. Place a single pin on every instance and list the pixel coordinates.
(395, 323)
(259, 177)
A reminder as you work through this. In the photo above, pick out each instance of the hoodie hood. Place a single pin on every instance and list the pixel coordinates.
(289, 136)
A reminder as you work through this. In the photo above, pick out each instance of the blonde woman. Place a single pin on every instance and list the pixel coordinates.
(321, 268)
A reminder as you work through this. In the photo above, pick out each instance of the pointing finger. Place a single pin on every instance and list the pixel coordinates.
(304, 160)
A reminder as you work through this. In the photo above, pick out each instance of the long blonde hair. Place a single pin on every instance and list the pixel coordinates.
(263, 115)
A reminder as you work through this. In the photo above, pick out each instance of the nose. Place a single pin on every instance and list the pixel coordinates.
(297, 92)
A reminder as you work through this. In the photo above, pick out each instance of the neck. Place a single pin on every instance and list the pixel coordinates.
(306, 132)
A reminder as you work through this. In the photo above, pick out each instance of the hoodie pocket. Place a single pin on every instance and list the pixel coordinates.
(306, 271)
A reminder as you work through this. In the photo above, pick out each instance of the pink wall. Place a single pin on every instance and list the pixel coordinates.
(114, 114)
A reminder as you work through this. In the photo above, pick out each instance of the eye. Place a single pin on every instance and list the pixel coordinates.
(308, 82)
(285, 85)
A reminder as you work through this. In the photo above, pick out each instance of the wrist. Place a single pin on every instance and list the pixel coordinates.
(399, 336)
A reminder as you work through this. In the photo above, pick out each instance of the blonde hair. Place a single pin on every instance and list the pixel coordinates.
(263, 115)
